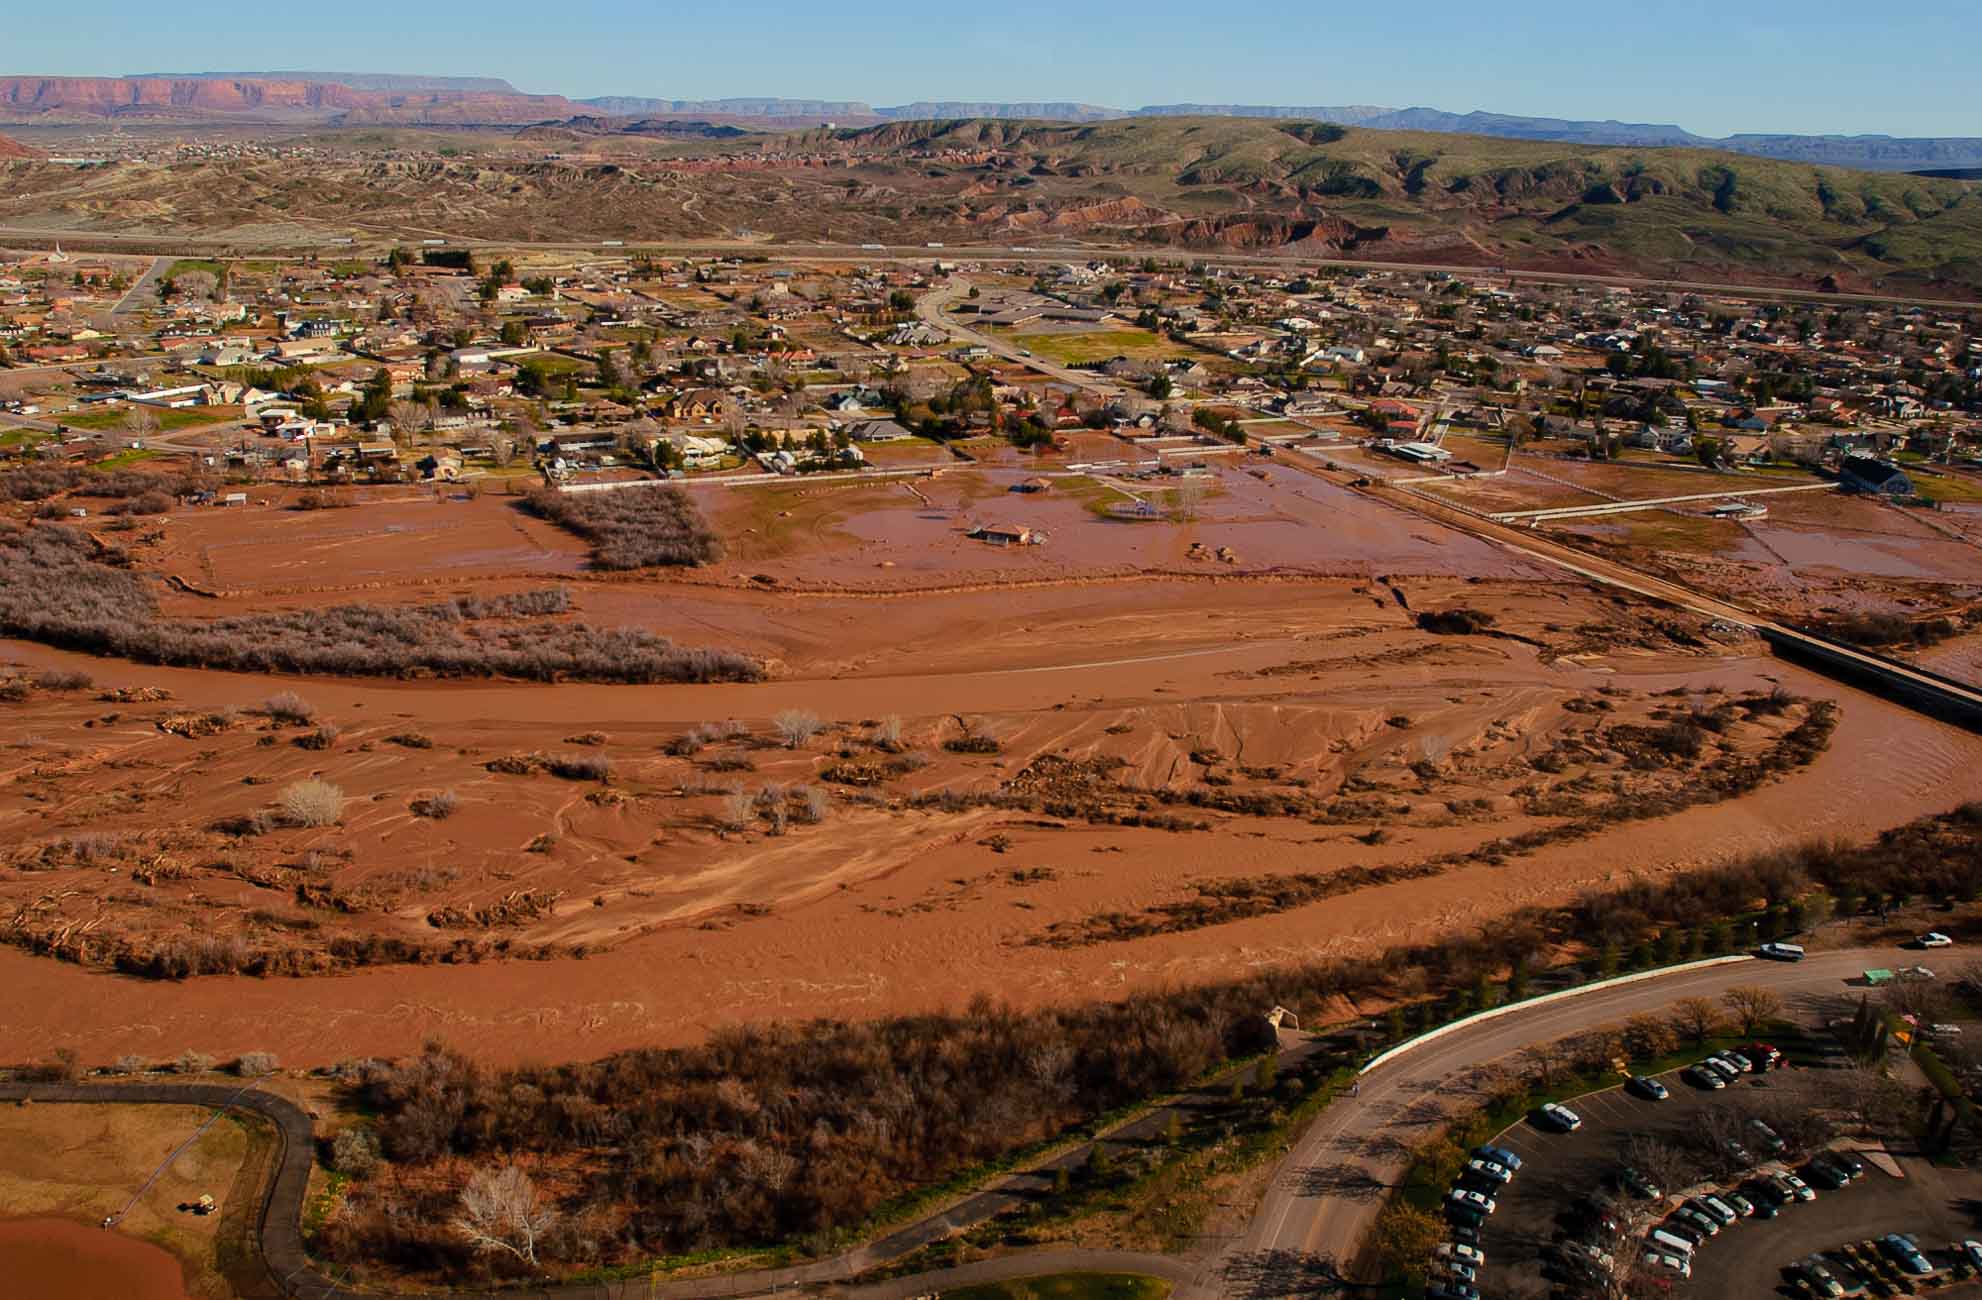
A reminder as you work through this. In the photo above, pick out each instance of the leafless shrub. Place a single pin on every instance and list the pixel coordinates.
(354, 1152)
(287, 706)
(731, 763)
(57, 680)
(313, 802)
(738, 809)
(587, 738)
(581, 767)
(813, 804)
(254, 1065)
(130, 1063)
(410, 740)
(887, 734)
(323, 737)
(191, 1062)
(439, 807)
(796, 726)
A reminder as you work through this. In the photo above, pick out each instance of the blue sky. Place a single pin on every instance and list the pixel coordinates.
(1740, 65)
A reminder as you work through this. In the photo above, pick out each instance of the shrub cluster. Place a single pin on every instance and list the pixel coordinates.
(634, 528)
(58, 588)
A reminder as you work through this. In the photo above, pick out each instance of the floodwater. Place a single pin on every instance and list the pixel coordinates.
(58, 1259)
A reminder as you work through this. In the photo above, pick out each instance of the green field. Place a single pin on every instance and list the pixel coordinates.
(1097, 345)
(1067, 1286)
(124, 459)
(191, 417)
(190, 266)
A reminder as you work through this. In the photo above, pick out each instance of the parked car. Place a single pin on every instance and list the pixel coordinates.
(1904, 1252)
(1636, 1183)
(1814, 1274)
(1825, 1175)
(1491, 1170)
(1472, 1200)
(1767, 1056)
(1718, 1208)
(1766, 1197)
(1740, 1155)
(1453, 1268)
(1934, 939)
(1500, 1156)
(1679, 1235)
(1741, 1064)
(1701, 1076)
(1659, 1261)
(1699, 1220)
(1780, 952)
(1794, 1187)
(1727, 1069)
(1766, 1137)
(1561, 1117)
(1463, 1216)
(1740, 1204)
(1838, 1163)
(1453, 1289)
(1973, 1251)
(1462, 1252)
(1639, 1085)
(1463, 1236)
(1917, 974)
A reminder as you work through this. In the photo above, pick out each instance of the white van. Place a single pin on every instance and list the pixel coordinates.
(1672, 1242)
(1781, 952)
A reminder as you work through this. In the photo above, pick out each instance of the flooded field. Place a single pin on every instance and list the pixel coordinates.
(57, 1259)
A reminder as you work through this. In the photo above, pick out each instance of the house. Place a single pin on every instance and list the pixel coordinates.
(1007, 535)
(878, 431)
(1870, 474)
(698, 404)
(1033, 486)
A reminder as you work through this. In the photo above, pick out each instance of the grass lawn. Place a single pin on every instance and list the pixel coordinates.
(124, 459)
(21, 437)
(1068, 1286)
(1947, 487)
(191, 417)
(1097, 345)
(191, 265)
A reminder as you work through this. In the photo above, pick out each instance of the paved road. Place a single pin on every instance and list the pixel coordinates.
(929, 308)
(1326, 1194)
(1323, 1198)
(141, 293)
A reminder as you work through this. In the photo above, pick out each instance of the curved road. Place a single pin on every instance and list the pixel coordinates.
(1324, 1196)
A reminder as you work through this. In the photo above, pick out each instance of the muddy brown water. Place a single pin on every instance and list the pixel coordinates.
(59, 1259)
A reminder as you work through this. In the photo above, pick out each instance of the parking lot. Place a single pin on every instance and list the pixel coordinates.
(1561, 1172)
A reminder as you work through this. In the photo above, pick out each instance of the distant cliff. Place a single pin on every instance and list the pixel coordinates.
(60, 99)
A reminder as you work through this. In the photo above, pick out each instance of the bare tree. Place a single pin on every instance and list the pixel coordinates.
(139, 422)
(408, 418)
(1544, 1059)
(1666, 1165)
(502, 450)
(1696, 1019)
(1752, 1006)
(1646, 1036)
(500, 1211)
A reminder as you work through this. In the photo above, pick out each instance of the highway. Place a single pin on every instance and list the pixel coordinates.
(342, 244)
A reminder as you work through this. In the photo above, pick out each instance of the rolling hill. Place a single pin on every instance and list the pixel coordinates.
(1297, 188)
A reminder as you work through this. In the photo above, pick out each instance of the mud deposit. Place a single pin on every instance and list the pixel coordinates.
(55, 1259)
